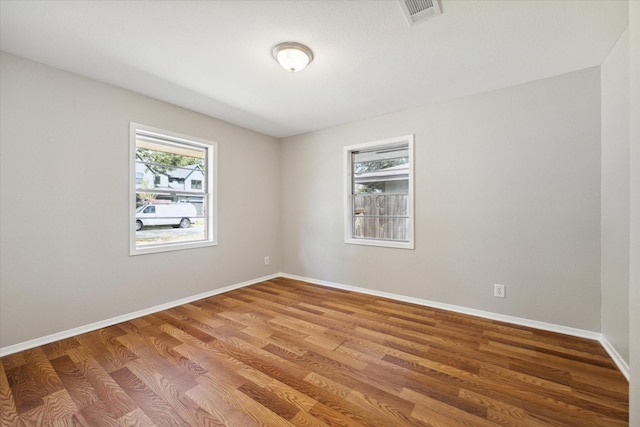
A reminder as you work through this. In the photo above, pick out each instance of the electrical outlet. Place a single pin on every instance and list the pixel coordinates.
(266, 260)
(498, 291)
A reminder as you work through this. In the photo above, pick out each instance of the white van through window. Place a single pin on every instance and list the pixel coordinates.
(168, 212)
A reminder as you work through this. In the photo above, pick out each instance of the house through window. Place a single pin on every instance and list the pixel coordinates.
(168, 211)
(379, 193)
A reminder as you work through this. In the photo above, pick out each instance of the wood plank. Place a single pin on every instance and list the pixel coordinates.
(219, 408)
(288, 394)
(8, 410)
(135, 418)
(75, 383)
(156, 408)
(59, 408)
(111, 396)
(24, 389)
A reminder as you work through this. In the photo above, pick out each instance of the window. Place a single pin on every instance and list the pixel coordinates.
(170, 217)
(379, 193)
(196, 184)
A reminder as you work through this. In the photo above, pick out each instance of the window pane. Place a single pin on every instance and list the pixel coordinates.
(400, 186)
(381, 228)
(381, 216)
(378, 193)
(173, 202)
(179, 165)
(393, 205)
(166, 222)
(386, 163)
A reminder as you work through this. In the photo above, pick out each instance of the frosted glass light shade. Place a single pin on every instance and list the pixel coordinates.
(292, 56)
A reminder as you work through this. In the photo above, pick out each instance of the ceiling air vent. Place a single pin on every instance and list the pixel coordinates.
(419, 10)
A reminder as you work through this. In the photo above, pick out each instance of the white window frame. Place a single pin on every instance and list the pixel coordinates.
(211, 189)
(349, 187)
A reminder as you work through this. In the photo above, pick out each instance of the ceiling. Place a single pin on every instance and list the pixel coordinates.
(214, 57)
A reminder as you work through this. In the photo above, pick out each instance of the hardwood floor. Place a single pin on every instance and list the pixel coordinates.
(285, 352)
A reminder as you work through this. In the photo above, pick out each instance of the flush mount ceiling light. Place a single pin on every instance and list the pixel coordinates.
(292, 56)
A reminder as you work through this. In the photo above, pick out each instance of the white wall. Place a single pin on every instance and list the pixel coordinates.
(507, 191)
(615, 197)
(634, 212)
(64, 199)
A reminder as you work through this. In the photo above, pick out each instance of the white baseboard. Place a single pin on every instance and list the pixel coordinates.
(582, 333)
(619, 361)
(4, 351)
(458, 309)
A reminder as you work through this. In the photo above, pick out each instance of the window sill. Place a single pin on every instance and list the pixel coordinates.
(381, 243)
(152, 249)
